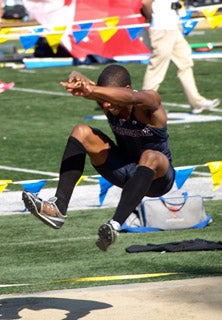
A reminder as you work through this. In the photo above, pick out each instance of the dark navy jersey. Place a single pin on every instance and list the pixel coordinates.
(134, 137)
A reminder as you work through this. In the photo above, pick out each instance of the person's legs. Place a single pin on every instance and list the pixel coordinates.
(83, 140)
(181, 57)
(162, 42)
(152, 165)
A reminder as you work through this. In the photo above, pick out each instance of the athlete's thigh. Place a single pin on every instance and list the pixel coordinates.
(95, 142)
(116, 169)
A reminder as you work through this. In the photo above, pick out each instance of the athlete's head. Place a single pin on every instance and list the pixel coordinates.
(114, 75)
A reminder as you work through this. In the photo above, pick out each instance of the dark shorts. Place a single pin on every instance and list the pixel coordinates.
(118, 171)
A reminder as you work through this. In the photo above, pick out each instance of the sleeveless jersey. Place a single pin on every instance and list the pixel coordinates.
(134, 137)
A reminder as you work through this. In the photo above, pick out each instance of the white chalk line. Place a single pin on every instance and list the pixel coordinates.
(64, 94)
(14, 285)
(53, 174)
(42, 92)
(35, 242)
(186, 106)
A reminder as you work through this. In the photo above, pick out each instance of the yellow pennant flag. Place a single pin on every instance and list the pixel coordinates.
(107, 34)
(59, 28)
(5, 30)
(210, 12)
(4, 184)
(2, 40)
(216, 172)
(81, 179)
(54, 40)
(111, 21)
(215, 21)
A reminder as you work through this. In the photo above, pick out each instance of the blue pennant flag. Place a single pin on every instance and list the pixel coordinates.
(188, 15)
(38, 29)
(188, 26)
(182, 175)
(28, 41)
(133, 32)
(81, 34)
(104, 187)
(34, 186)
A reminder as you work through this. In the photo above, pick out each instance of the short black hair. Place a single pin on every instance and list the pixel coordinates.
(114, 75)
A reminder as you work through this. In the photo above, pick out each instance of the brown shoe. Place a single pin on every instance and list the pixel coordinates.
(46, 211)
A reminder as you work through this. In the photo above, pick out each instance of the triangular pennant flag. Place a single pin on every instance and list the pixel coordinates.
(86, 26)
(215, 21)
(182, 174)
(33, 186)
(29, 41)
(133, 32)
(4, 184)
(81, 179)
(216, 173)
(59, 28)
(5, 30)
(38, 29)
(111, 21)
(79, 35)
(53, 41)
(209, 12)
(2, 40)
(104, 187)
(188, 15)
(188, 26)
(107, 34)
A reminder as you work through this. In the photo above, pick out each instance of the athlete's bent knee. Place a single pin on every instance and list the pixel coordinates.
(81, 132)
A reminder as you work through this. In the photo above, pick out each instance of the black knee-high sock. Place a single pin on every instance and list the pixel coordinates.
(133, 192)
(71, 169)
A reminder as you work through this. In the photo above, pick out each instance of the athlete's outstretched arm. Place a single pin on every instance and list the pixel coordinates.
(80, 85)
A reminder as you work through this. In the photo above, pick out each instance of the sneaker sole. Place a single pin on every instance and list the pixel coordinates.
(30, 205)
(199, 110)
(106, 237)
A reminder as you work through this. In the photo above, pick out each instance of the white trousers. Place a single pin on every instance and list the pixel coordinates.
(166, 46)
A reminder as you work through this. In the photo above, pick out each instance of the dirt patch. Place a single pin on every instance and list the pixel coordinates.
(196, 299)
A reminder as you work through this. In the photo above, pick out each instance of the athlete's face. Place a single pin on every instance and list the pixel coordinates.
(115, 109)
(112, 108)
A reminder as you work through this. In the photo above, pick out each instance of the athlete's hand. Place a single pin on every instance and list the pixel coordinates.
(76, 76)
(78, 88)
(78, 84)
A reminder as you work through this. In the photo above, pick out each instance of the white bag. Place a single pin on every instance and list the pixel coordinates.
(168, 213)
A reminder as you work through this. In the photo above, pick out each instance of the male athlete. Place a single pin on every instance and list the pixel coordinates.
(139, 161)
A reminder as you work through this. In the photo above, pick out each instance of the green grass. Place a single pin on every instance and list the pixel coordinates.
(46, 256)
(33, 133)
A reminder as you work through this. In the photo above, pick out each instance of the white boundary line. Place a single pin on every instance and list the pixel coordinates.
(53, 174)
(47, 241)
(41, 92)
(186, 106)
(64, 94)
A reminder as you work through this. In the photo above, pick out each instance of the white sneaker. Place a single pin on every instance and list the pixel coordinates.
(207, 105)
